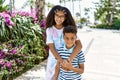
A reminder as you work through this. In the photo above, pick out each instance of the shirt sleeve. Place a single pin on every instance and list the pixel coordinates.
(49, 38)
(81, 58)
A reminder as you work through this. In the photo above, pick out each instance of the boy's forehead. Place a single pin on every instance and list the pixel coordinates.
(70, 33)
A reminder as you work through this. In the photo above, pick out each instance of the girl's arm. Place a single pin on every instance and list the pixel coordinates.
(55, 53)
(57, 70)
(76, 50)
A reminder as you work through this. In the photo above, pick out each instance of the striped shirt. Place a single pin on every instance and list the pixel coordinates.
(79, 59)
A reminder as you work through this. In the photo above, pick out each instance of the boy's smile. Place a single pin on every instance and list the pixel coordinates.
(69, 39)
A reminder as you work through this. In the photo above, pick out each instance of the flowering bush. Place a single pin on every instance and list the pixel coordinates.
(11, 60)
(22, 42)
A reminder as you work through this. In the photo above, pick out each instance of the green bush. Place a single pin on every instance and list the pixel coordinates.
(116, 24)
(22, 44)
(102, 26)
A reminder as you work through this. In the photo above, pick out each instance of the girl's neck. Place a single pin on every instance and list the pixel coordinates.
(59, 26)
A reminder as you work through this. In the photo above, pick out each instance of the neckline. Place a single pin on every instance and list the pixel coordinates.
(57, 28)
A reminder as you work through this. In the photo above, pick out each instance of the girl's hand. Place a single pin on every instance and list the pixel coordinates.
(60, 61)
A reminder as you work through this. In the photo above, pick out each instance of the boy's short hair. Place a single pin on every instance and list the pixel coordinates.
(69, 29)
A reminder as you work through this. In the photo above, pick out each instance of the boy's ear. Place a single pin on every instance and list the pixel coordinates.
(76, 37)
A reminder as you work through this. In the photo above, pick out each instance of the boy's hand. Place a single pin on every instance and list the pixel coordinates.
(67, 65)
(63, 65)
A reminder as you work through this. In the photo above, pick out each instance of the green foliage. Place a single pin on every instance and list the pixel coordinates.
(116, 24)
(3, 8)
(102, 26)
(27, 38)
(83, 20)
(105, 9)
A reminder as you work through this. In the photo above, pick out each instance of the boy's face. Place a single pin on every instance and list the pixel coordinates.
(69, 39)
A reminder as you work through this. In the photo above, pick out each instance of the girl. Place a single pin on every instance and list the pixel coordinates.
(57, 19)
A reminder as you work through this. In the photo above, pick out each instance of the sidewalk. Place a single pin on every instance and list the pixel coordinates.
(36, 73)
(102, 57)
(102, 51)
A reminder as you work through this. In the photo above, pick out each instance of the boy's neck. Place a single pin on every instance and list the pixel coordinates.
(69, 47)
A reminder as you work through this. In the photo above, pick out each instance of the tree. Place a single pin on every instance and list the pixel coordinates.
(106, 10)
(40, 8)
(49, 5)
(12, 5)
(3, 8)
(72, 1)
(86, 13)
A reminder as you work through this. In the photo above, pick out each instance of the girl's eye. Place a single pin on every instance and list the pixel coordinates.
(58, 16)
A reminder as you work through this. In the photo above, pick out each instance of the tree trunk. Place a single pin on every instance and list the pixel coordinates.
(112, 14)
(40, 9)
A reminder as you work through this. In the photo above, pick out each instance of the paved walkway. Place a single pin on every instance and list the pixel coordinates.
(102, 52)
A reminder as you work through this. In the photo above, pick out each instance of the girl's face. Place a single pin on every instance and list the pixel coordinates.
(59, 17)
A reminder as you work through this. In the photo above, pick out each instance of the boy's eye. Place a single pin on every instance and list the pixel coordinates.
(67, 38)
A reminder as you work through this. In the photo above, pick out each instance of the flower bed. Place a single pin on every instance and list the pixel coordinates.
(22, 43)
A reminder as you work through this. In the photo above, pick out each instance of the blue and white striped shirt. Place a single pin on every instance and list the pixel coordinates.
(79, 59)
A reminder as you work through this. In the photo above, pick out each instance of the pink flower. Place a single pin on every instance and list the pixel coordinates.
(2, 54)
(13, 51)
(8, 65)
(8, 20)
(42, 24)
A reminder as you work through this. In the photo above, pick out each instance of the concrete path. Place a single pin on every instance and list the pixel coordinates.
(102, 52)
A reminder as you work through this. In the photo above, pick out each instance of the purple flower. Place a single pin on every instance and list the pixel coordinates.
(8, 20)
(13, 51)
(23, 13)
(42, 24)
(2, 54)
(7, 12)
(14, 14)
(11, 23)
(8, 65)
(19, 61)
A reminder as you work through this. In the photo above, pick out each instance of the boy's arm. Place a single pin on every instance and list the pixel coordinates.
(55, 53)
(57, 70)
(78, 70)
(76, 50)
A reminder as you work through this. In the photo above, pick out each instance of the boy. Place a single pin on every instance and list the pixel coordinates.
(71, 71)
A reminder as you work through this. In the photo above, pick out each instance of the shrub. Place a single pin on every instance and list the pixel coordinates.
(22, 43)
(116, 24)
